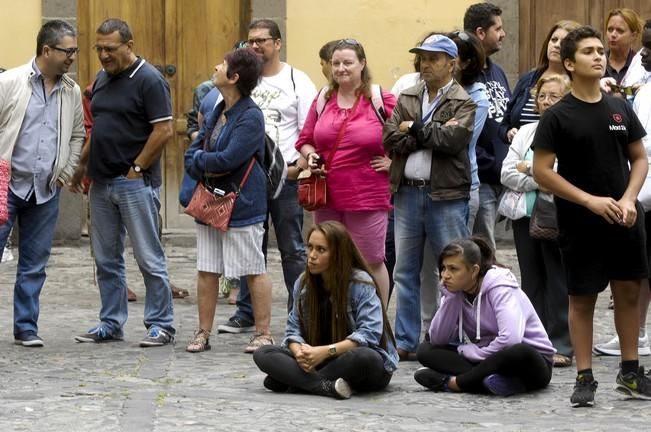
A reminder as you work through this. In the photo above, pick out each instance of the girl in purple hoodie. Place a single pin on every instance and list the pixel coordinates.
(486, 335)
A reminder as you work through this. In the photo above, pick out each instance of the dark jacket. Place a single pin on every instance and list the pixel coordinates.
(450, 172)
(519, 98)
(240, 139)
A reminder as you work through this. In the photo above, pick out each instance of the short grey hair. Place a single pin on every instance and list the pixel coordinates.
(51, 33)
(116, 25)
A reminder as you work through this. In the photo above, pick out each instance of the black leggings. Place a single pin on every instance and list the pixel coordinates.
(520, 360)
(362, 368)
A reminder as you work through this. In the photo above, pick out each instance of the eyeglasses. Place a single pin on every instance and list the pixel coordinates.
(462, 35)
(69, 51)
(258, 41)
(107, 49)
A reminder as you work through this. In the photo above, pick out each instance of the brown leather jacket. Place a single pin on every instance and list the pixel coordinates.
(450, 172)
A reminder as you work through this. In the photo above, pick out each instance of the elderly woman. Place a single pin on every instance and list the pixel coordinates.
(521, 108)
(358, 194)
(326, 352)
(543, 277)
(230, 139)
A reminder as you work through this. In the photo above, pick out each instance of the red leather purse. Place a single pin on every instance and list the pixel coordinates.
(214, 209)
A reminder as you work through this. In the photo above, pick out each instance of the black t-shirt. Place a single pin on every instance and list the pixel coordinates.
(590, 141)
(124, 108)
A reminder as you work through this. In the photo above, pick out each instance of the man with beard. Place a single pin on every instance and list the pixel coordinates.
(132, 111)
(41, 134)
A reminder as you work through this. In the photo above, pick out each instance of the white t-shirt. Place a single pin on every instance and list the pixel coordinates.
(642, 107)
(404, 82)
(285, 105)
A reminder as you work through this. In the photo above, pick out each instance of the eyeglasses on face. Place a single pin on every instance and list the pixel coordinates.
(69, 51)
(258, 41)
(108, 49)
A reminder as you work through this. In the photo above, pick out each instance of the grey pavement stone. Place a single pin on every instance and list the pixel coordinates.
(68, 386)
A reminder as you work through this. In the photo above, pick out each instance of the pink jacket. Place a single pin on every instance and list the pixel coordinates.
(352, 184)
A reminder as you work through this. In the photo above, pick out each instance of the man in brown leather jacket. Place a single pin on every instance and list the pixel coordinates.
(427, 139)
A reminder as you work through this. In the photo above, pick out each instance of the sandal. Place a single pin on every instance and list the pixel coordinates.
(200, 342)
(561, 360)
(179, 293)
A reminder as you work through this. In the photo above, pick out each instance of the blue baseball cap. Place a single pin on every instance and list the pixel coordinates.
(437, 43)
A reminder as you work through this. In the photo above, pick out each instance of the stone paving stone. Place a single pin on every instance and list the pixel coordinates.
(68, 386)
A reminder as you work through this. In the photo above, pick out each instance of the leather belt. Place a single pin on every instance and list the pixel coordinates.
(415, 182)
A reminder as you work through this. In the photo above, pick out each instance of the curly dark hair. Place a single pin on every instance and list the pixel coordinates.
(480, 15)
(247, 65)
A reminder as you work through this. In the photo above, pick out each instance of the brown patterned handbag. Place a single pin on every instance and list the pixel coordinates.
(544, 224)
(211, 208)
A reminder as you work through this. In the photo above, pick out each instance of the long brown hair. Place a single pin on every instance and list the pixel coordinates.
(352, 44)
(568, 26)
(344, 259)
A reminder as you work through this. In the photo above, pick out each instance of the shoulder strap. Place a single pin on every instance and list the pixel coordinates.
(321, 101)
(377, 99)
(291, 74)
(341, 134)
(246, 174)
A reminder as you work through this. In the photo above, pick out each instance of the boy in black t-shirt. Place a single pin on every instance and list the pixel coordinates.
(602, 237)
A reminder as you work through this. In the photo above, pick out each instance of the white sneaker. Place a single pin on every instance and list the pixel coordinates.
(612, 347)
(6, 255)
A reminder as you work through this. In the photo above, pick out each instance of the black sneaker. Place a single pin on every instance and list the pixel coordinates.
(156, 337)
(584, 389)
(338, 389)
(635, 385)
(28, 340)
(275, 385)
(236, 325)
(501, 385)
(431, 379)
(99, 334)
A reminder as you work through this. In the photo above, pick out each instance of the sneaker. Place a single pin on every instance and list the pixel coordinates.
(338, 389)
(236, 325)
(257, 341)
(156, 336)
(635, 385)
(612, 347)
(28, 340)
(99, 334)
(501, 385)
(431, 379)
(275, 385)
(584, 389)
(7, 255)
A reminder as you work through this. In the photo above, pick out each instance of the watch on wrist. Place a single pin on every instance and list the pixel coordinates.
(137, 169)
(332, 349)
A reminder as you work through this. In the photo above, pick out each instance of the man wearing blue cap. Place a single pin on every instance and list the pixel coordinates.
(427, 139)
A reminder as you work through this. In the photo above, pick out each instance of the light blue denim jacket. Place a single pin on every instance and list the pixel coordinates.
(364, 318)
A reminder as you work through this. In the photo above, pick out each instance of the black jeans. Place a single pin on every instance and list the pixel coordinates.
(520, 360)
(362, 368)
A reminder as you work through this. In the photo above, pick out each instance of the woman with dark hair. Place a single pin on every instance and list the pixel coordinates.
(486, 336)
(325, 53)
(467, 71)
(230, 141)
(521, 107)
(358, 194)
(338, 336)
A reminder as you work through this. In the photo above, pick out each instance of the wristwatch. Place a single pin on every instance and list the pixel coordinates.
(137, 169)
(332, 349)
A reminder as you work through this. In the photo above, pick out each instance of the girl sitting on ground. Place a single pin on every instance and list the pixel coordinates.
(486, 336)
(338, 337)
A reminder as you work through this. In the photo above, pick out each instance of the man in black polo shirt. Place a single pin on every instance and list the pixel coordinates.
(132, 113)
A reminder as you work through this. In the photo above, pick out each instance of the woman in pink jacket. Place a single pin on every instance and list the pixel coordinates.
(357, 177)
(486, 336)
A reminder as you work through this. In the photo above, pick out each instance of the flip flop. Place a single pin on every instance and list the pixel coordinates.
(179, 293)
(561, 360)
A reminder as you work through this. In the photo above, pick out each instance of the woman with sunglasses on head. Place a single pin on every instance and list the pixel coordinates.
(521, 107)
(338, 337)
(541, 269)
(356, 177)
(486, 336)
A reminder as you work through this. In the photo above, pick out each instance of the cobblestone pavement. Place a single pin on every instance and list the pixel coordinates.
(68, 386)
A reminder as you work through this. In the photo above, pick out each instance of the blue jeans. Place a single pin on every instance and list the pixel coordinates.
(36, 223)
(417, 218)
(119, 206)
(487, 213)
(287, 218)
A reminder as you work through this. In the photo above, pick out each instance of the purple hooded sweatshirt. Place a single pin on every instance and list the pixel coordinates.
(499, 317)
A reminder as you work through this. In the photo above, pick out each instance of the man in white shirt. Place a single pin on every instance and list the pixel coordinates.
(285, 95)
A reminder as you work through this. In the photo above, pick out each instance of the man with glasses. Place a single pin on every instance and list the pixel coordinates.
(285, 95)
(41, 134)
(132, 112)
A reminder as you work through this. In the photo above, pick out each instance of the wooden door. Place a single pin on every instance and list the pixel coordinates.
(537, 17)
(184, 39)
